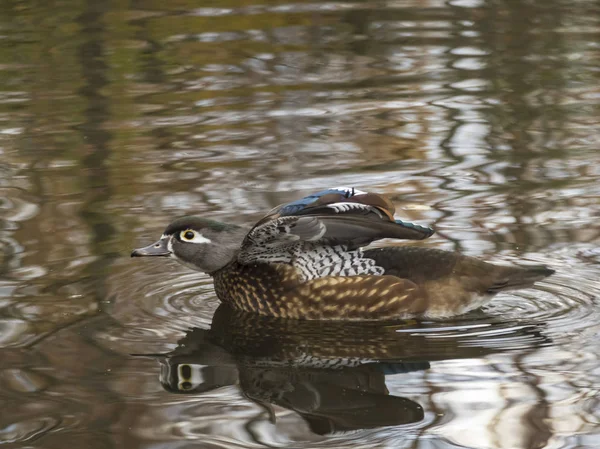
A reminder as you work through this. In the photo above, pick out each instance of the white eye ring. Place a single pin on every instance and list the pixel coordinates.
(187, 235)
(191, 236)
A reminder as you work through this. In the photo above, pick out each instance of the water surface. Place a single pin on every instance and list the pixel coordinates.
(478, 118)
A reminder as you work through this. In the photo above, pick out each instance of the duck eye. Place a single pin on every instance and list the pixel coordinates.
(188, 235)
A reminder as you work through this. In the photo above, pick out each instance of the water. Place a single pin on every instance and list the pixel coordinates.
(479, 118)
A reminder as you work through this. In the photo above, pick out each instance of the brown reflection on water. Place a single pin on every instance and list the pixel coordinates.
(480, 118)
(333, 375)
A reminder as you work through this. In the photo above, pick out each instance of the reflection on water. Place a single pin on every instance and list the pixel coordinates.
(335, 391)
(478, 117)
(331, 374)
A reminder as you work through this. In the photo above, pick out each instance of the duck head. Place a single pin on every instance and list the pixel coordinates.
(198, 243)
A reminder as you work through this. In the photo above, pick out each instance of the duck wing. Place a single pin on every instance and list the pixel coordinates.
(327, 197)
(333, 217)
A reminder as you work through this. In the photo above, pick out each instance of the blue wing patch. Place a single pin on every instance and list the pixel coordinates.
(296, 206)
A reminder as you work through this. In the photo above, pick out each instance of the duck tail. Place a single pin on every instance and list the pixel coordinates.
(520, 277)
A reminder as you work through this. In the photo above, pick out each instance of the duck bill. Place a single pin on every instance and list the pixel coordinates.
(156, 249)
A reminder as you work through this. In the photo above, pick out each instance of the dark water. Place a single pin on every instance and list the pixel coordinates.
(480, 118)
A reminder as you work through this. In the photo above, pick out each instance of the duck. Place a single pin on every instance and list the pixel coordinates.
(310, 260)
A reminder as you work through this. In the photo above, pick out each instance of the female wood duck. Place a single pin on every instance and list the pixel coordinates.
(304, 260)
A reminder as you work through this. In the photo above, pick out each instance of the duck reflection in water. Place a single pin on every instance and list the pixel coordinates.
(332, 374)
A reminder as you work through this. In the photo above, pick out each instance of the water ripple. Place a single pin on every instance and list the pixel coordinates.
(567, 309)
(27, 430)
(155, 301)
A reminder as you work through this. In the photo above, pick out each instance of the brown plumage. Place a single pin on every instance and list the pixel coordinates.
(418, 283)
(305, 260)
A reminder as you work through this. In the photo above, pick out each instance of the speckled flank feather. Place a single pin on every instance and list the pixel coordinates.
(316, 261)
(280, 291)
